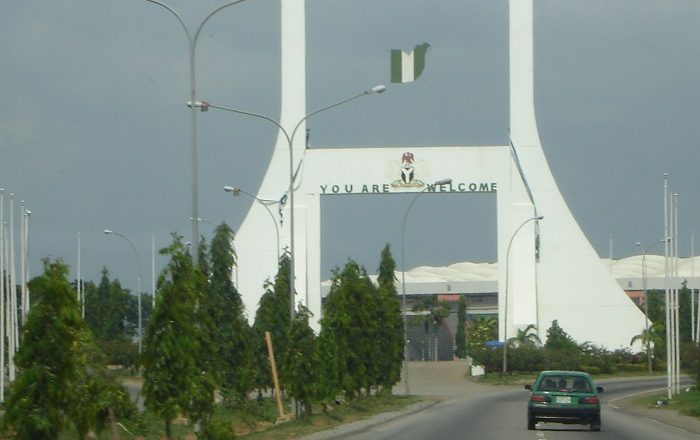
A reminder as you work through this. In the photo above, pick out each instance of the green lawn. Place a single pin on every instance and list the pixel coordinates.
(259, 421)
(687, 402)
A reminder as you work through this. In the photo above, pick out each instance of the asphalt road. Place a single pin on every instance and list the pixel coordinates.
(500, 413)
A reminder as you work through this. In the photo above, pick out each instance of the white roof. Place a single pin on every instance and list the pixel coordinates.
(468, 277)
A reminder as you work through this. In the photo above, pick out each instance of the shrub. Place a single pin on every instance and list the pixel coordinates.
(632, 368)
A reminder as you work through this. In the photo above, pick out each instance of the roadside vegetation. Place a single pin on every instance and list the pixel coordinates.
(527, 354)
(206, 373)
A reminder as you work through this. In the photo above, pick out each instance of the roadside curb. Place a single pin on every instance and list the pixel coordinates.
(362, 425)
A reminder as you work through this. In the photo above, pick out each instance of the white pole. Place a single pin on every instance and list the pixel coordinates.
(692, 276)
(13, 293)
(667, 296)
(78, 281)
(693, 333)
(2, 299)
(677, 361)
(153, 272)
(25, 263)
(22, 281)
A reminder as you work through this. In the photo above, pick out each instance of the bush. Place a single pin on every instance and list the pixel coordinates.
(590, 369)
(632, 368)
(217, 430)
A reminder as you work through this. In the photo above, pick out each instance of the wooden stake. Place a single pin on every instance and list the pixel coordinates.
(273, 366)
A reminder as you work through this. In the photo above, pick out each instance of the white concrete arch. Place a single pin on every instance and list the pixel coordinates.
(567, 282)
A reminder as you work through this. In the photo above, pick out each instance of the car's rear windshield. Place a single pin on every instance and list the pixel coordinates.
(564, 382)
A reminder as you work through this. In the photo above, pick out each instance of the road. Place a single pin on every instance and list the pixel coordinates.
(500, 413)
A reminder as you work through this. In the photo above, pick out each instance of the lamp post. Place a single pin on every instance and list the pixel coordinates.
(204, 106)
(138, 281)
(505, 305)
(403, 278)
(192, 40)
(235, 191)
(646, 301)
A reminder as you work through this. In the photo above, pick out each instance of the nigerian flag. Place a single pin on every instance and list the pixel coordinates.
(407, 67)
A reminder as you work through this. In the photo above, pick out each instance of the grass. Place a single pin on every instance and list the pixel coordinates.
(687, 402)
(259, 420)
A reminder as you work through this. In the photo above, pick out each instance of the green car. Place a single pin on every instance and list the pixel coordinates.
(564, 397)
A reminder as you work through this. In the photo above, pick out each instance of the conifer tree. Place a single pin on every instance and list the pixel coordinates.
(273, 315)
(299, 363)
(460, 334)
(175, 350)
(232, 334)
(63, 375)
(327, 379)
(349, 321)
(390, 338)
(46, 361)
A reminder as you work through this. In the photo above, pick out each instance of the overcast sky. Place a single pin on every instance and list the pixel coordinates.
(94, 131)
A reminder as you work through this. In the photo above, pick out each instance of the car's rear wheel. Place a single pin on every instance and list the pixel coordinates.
(531, 423)
(595, 424)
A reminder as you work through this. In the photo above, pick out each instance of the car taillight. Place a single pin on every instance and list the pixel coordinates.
(539, 399)
(590, 400)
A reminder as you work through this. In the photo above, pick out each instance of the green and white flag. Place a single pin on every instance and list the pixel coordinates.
(407, 67)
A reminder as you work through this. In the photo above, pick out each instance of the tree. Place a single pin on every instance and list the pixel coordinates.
(98, 397)
(273, 315)
(484, 329)
(349, 323)
(460, 334)
(201, 405)
(45, 363)
(232, 335)
(653, 337)
(63, 376)
(563, 353)
(173, 379)
(299, 361)
(112, 315)
(390, 335)
(328, 377)
(526, 337)
(46, 359)
(106, 309)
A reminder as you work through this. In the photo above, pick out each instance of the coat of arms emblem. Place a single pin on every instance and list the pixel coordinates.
(407, 172)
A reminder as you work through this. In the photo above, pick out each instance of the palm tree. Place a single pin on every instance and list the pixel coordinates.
(651, 337)
(526, 337)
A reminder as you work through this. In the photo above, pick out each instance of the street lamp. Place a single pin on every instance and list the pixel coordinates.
(204, 106)
(403, 278)
(505, 305)
(192, 40)
(235, 191)
(646, 303)
(138, 282)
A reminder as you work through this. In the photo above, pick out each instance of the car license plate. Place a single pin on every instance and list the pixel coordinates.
(563, 399)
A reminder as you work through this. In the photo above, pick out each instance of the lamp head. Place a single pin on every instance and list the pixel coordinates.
(233, 190)
(376, 89)
(201, 105)
(539, 217)
(108, 231)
